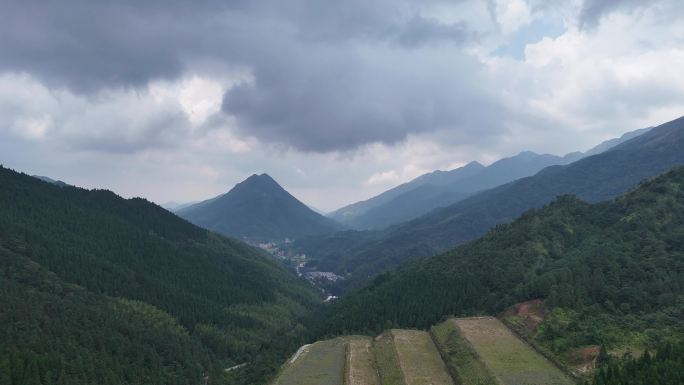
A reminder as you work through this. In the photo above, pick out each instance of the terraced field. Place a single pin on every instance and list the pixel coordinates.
(360, 368)
(419, 359)
(507, 357)
(318, 364)
(465, 351)
(464, 365)
(387, 360)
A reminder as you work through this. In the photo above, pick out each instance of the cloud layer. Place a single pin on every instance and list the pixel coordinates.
(312, 89)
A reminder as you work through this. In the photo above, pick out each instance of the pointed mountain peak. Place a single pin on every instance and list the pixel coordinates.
(260, 181)
(474, 165)
(258, 209)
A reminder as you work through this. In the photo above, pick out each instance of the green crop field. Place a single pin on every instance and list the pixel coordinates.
(419, 359)
(387, 360)
(509, 359)
(320, 364)
(360, 369)
(463, 363)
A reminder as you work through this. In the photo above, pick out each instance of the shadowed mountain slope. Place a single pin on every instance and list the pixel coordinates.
(258, 210)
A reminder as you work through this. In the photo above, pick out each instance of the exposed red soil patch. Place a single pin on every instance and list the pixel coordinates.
(584, 359)
(531, 313)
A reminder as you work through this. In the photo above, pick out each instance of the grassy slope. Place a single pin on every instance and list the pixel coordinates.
(387, 360)
(360, 368)
(462, 361)
(510, 359)
(322, 363)
(419, 359)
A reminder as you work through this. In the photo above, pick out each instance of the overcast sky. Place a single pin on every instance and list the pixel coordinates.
(337, 100)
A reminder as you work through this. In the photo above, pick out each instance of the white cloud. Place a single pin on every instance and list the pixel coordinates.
(167, 140)
(511, 14)
(32, 128)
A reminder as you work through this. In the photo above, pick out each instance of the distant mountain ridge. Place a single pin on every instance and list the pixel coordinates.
(595, 178)
(258, 209)
(174, 206)
(443, 188)
(50, 180)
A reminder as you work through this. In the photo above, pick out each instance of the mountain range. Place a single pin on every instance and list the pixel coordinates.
(594, 178)
(95, 288)
(259, 210)
(442, 188)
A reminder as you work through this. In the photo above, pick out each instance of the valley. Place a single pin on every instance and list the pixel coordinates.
(581, 264)
(386, 192)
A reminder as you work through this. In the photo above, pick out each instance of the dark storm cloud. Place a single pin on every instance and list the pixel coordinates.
(89, 45)
(326, 75)
(341, 98)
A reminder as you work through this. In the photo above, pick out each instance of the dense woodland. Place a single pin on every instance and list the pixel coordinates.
(611, 273)
(99, 289)
(665, 367)
(593, 179)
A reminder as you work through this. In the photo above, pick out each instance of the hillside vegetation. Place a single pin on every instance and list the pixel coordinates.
(612, 274)
(665, 367)
(100, 289)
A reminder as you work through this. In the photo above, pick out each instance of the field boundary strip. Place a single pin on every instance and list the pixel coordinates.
(452, 372)
(474, 350)
(396, 354)
(548, 356)
(347, 363)
(298, 353)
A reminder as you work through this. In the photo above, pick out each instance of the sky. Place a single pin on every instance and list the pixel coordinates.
(337, 100)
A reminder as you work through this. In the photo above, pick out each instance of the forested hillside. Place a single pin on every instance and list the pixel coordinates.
(664, 366)
(100, 289)
(610, 273)
(593, 179)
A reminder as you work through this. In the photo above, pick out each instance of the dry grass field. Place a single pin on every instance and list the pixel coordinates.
(360, 368)
(419, 359)
(387, 360)
(509, 359)
(321, 363)
(460, 358)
